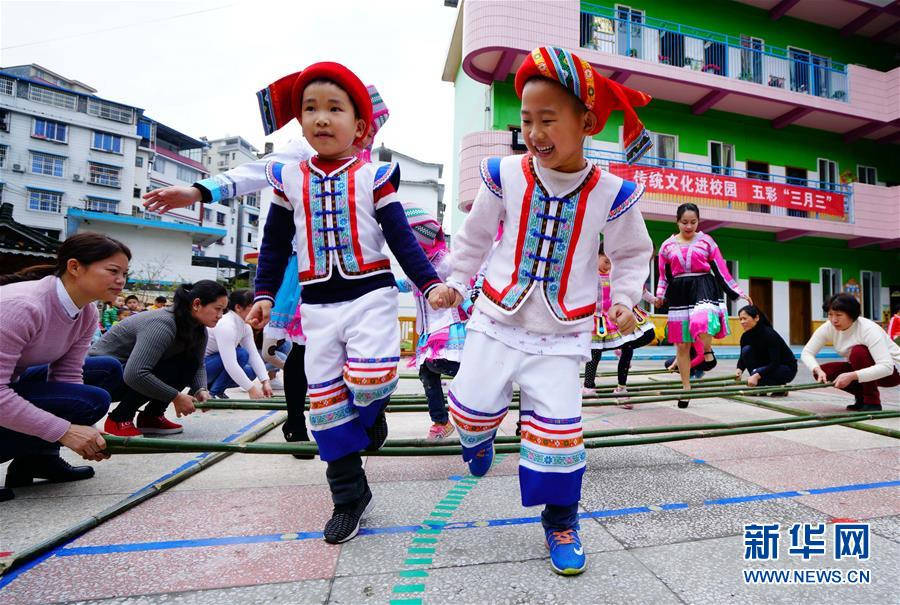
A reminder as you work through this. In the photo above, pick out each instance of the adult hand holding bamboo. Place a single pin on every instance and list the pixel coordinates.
(184, 404)
(86, 441)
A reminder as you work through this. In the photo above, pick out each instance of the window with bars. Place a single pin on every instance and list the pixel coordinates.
(104, 141)
(50, 130)
(108, 176)
(47, 164)
(44, 201)
(7, 86)
(100, 204)
(47, 96)
(110, 111)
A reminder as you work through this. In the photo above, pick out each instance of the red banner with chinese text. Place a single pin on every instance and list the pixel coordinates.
(702, 186)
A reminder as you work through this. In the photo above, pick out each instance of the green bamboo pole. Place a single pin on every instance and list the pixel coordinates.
(120, 445)
(130, 502)
(869, 428)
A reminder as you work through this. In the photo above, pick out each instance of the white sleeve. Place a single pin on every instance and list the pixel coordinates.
(629, 248)
(472, 243)
(227, 339)
(820, 337)
(256, 361)
(875, 339)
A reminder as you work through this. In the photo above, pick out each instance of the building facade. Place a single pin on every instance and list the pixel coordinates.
(71, 161)
(777, 119)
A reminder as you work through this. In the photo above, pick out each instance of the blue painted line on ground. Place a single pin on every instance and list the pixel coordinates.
(398, 529)
(8, 577)
(699, 461)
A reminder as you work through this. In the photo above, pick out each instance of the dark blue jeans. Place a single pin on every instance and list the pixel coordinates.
(559, 516)
(217, 378)
(430, 374)
(82, 404)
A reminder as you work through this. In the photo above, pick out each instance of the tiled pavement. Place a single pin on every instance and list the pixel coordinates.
(661, 523)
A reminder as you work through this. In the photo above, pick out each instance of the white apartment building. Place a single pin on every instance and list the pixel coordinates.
(71, 161)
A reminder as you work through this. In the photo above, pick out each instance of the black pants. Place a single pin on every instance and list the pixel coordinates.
(177, 371)
(590, 368)
(778, 375)
(295, 392)
(346, 479)
(430, 374)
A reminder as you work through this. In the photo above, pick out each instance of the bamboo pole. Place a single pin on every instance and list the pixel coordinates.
(869, 428)
(130, 502)
(120, 445)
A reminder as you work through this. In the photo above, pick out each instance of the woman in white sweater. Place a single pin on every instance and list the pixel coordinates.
(872, 359)
(231, 355)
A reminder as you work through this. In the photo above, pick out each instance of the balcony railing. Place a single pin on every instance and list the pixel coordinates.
(714, 186)
(617, 31)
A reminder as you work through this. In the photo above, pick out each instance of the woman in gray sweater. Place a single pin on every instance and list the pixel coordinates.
(162, 352)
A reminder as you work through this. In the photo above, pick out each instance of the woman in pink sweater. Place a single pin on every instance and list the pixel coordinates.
(46, 325)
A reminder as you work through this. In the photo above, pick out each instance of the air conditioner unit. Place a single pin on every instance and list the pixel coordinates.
(76, 178)
(18, 168)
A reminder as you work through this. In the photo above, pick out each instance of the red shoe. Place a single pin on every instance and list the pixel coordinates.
(120, 429)
(157, 425)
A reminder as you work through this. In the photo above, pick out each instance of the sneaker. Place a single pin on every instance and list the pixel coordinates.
(221, 395)
(378, 433)
(864, 407)
(623, 399)
(157, 425)
(439, 431)
(588, 391)
(120, 429)
(481, 463)
(344, 522)
(566, 552)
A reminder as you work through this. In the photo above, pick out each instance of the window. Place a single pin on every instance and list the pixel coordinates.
(665, 148)
(721, 156)
(107, 142)
(796, 176)
(628, 31)
(101, 204)
(871, 294)
(110, 111)
(101, 174)
(828, 178)
(831, 282)
(7, 86)
(252, 200)
(866, 174)
(253, 220)
(49, 130)
(207, 214)
(249, 238)
(752, 59)
(136, 192)
(46, 164)
(737, 304)
(44, 201)
(39, 94)
(139, 161)
(186, 174)
(220, 218)
(4, 120)
(2, 156)
(159, 165)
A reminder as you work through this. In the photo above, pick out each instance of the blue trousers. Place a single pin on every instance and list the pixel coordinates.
(430, 374)
(82, 404)
(217, 378)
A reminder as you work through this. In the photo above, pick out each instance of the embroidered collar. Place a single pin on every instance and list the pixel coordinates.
(342, 168)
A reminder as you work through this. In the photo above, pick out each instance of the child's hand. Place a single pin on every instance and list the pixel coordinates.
(165, 199)
(444, 297)
(259, 314)
(623, 317)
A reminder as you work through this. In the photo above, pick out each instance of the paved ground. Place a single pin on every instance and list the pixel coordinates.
(661, 523)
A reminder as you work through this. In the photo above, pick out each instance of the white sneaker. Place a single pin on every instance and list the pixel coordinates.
(277, 383)
(588, 391)
(624, 399)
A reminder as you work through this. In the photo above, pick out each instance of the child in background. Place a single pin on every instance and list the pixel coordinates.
(342, 211)
(532, 321)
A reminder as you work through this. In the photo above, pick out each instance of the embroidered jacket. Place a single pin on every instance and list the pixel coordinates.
(549, 242)
(341, 221)
(702, 255)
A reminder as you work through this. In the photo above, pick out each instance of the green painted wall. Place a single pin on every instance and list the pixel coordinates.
(753, 138)
(759, 255)
(735, 18)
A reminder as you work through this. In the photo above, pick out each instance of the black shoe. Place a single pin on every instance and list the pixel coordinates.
(377, 433)
(294, 436)
(344, 522)
(518, 428)
(779, 394)
(864, 407)
(706, 366)
(24, 470)
(221, 395)
(683, 403)
(6, 494)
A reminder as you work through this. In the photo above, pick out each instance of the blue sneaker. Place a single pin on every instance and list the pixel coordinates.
(481, 463)
(566, 552)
